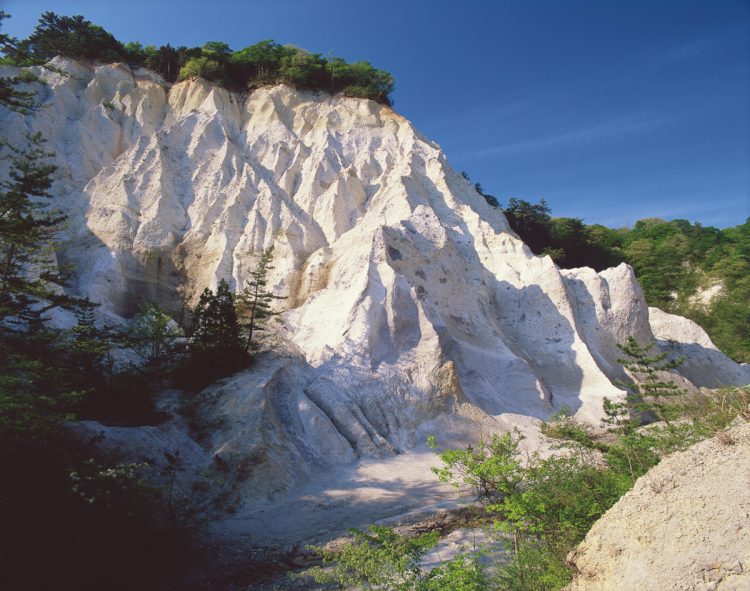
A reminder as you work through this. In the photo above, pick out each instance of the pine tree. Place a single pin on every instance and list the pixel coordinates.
(28, 273)
(215, 324)
(255, 302)
(649, 392)
(11, 97)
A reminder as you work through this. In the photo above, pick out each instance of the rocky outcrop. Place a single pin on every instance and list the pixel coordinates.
(684, 526)
(704, 364)
(408, 298)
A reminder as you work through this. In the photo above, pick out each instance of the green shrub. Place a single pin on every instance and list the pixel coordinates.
(201, 67)
(564, 427)
(379, 559)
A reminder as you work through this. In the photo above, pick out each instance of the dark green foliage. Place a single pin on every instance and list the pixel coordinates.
(569, 241)
(215, 346)
(266, 62)
(491, 199)
(67, 520)
(254, 305)
(71, 36)
(11, 96)
(530, 221)
(26, 231)
(78, 521)
(673, 259)
(650, 393)
(154, 333)
(377, 559)
(215, 324)
(50, 532)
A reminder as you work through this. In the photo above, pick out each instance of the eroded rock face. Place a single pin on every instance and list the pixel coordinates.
(683, 526)
(704, 364)
(408, 297)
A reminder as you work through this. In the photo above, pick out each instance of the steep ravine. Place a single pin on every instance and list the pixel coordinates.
(411, 307)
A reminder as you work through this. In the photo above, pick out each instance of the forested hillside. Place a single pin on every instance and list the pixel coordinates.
(685, 268)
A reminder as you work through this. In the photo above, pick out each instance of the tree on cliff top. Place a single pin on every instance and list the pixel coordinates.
(72, 36)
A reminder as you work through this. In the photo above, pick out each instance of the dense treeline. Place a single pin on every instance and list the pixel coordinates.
(675, 261)
(264, 63)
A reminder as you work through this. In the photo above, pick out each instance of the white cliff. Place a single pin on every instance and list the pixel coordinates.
(410, 303)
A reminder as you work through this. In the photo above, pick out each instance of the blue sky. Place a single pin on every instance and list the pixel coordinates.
(611, 110)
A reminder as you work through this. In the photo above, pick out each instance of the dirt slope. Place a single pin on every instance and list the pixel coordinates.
(685, 525)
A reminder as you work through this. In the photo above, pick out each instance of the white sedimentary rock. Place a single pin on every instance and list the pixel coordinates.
(409, 300)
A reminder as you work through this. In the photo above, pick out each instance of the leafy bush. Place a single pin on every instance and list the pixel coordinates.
(379, 558)
(563, 426)
(462, 573)
(201, 67)
(491, 469)
(154, 333)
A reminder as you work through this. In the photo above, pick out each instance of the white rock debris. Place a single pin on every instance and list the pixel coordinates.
(410, 304)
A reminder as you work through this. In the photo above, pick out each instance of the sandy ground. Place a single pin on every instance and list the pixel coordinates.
(255, 548)
(391, 490)
(354, 496)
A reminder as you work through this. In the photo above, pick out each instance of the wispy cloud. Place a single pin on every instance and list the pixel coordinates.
(620, 127)
(706, 45)
(484, 119)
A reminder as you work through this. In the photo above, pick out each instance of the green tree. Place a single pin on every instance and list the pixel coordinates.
(530, 221)
(71, 36)
(11, 96)
(215, 324)
(254, 305)
(490, 468)
(378, 559)
(201, 67)
(649, 392)
(302, 67)
(216, 50)
(154, 333)
(28, 272)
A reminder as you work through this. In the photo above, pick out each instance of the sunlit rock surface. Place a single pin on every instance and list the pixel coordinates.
(683, 526)
(409, 302)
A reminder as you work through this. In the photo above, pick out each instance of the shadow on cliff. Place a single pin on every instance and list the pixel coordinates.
(123, 282)
(533, 368)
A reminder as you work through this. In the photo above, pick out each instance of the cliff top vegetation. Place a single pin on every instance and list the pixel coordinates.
(265, 62)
